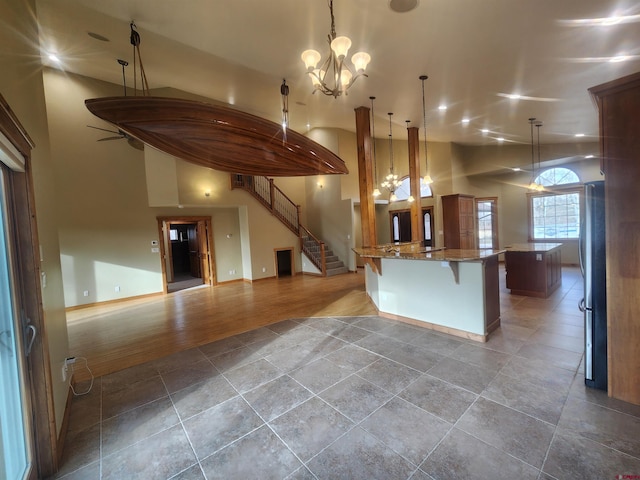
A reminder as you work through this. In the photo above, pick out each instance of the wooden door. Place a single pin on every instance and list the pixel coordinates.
(204, 249)
(194, 251)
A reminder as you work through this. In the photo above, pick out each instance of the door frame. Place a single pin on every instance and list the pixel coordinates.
(284, 249)
(424, 209)
(204, 232)
(22, 214)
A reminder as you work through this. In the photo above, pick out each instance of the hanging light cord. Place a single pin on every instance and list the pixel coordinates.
(373, 129)
(390, 146)
(533, 168)
(424, 112)
(284, 91)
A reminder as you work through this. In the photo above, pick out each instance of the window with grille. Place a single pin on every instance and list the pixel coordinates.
(555, 211)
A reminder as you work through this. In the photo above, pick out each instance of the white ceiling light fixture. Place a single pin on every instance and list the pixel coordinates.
(402, 6)
(376, 191)
(391, 182)
(334, 77)
(427, 180)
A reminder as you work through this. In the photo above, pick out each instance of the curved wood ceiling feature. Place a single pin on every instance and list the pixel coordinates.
(217, 137)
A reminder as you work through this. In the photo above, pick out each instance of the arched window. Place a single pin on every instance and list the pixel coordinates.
(404, 190)
(555, 211)
(557, 176)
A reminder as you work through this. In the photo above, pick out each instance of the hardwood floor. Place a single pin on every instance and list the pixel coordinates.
(119, 335)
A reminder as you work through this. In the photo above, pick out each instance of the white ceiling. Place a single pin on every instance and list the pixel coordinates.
(474, 52)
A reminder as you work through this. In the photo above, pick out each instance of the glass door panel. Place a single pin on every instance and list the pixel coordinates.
(15, 457)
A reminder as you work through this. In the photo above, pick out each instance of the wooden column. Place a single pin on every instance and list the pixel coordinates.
(365, 178)
(417, 219)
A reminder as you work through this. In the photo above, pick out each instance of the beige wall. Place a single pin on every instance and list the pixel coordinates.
(21, 85)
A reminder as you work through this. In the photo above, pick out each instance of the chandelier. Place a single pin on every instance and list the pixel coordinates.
(391, 181)
(334, 76)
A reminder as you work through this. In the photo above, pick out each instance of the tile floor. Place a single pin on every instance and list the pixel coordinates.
(363, 398)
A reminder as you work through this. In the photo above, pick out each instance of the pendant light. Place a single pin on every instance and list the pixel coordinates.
(427, 178)
(376, 191)
(391, 181)
(538, 125)
(533, 185)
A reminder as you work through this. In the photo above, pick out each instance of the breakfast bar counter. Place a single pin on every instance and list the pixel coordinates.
(450, 290)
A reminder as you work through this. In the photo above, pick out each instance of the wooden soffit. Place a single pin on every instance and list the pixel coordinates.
(217, 137)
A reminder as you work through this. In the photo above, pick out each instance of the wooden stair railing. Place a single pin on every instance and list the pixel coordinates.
(266, 192)
(274, 199)
(314, 249)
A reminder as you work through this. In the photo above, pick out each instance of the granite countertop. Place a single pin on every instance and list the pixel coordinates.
(532, 247)
(414, 251)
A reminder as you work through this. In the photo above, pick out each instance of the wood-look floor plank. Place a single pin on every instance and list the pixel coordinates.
(120, 335)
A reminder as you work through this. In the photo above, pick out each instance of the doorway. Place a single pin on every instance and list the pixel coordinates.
(186, 252)
(284, 262)
(401, 226)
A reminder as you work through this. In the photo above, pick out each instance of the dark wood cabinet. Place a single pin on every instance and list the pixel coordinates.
(533, 270)
(619, 106)
(459, 221)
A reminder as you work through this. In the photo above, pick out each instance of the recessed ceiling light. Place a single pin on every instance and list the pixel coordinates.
(465, 120)
(97, 36)
(579, 134)
(516, 169)
(500, 139)
(589, 156)
(514, 96)
(619, 58)
(54, 58)
(442, 108)
(485, 130)
(402, 6)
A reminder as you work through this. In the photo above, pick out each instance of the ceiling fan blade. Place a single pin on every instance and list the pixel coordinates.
(110, 138)
(104, 129)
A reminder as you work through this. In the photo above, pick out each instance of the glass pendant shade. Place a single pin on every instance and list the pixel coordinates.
(310, 59)
(360, 61)
(427, 180)
(340, 46)
(376, 192)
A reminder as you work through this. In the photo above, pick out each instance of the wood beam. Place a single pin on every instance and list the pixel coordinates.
(417, 219)
(365, 177)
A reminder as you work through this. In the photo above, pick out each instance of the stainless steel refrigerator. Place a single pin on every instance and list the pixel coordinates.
(594, 304)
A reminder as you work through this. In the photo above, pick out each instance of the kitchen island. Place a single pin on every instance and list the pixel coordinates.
(455, 291)
(533, 269)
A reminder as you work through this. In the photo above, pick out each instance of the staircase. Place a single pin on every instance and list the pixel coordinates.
(319, 255)
(281, 207)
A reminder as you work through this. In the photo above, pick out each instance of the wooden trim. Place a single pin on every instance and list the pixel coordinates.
(166, 221)
(285, 249)
(65, 424)
(438, 328)
(23, 216)
(111, 302)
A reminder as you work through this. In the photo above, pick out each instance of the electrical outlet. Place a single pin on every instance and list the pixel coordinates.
(117, 288)
(64, 371)
(85, 293)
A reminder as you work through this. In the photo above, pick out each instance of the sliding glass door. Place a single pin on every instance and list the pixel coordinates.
(15, 432)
